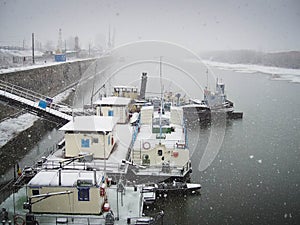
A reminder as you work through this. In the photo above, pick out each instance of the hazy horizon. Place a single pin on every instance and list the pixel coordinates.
(198, 25)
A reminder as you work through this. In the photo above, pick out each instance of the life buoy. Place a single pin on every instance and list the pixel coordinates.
(106, 207)
(146, 145)
(19, 220)
(175, 154)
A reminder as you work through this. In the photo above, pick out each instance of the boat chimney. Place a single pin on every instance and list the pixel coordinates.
(59, 177)
(143, 85)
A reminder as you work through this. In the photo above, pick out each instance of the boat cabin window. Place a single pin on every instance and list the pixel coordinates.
(146, 159)
(95, 140)
(85, 143)
(83, 194)
(84, 182)
(167, 106)
(164, 121)
(159, 152)
(35, 192)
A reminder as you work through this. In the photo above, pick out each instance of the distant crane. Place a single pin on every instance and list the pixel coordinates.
(59, 56)
(59, 43)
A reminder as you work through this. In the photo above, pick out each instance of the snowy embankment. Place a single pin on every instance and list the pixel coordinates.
(10, 128)
(39, 65)
(277, 73)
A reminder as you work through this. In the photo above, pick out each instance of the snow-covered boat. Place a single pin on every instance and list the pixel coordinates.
(161, 146)
(213, 102)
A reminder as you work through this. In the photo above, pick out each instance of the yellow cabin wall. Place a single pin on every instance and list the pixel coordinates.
(155, 159)
(121, 112)
(67, 203)
(102, 149)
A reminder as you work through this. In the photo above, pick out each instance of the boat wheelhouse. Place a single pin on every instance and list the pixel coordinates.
(161, 147)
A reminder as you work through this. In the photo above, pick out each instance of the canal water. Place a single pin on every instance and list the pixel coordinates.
(255, 176)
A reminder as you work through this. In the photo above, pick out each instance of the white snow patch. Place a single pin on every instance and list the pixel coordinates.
(277, 73)
(286, 215)
(12, 127)
(38, 65)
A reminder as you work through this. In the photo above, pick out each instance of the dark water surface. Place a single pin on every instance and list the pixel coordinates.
(255, 177)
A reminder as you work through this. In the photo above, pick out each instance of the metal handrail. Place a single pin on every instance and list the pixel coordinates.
(33, 96)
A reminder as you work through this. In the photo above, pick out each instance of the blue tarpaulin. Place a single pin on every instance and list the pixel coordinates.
(60, 58)
(42, 104)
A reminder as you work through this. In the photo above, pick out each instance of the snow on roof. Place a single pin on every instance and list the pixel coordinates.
(113, 101)
(147, 107)
(68, 177)
(91, 123)
(20, 53)
(195, 106)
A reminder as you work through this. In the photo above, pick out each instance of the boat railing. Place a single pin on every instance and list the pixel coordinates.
(83, 219)
(28, 94)
(33, 98)
(66, 219)
(95, 164)
(165, 169)
(148, 144)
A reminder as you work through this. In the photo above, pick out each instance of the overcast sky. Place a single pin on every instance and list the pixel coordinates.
(267, 25)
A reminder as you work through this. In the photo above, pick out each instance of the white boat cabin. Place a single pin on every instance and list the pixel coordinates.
(90, 134)
(113, 106)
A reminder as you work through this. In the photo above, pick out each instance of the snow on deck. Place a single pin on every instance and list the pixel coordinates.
(130, 202)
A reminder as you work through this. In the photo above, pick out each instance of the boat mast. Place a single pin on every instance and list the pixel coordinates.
(207, 79)
(161, 100)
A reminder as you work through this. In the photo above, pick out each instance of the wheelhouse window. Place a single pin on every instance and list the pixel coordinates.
(35, 192)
